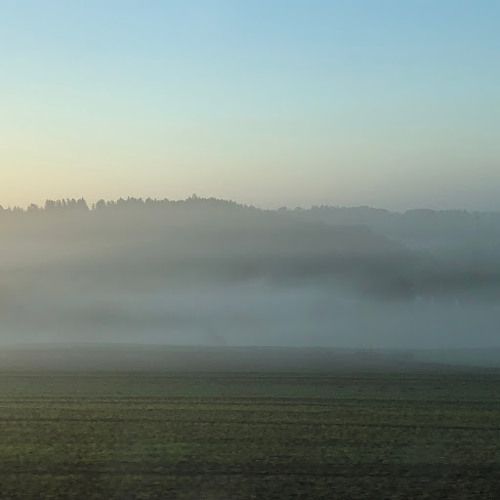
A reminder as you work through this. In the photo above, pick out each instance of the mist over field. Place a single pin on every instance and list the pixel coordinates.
(212, 272)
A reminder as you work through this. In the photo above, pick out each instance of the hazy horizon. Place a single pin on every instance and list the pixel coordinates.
(276, 205)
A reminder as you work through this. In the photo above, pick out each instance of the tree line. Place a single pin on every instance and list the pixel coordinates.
(81, 205)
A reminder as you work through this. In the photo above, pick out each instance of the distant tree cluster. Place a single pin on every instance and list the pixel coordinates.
(49, 206)
(67, 204)
(81, 205)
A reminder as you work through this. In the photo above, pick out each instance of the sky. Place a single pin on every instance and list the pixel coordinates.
(268, 102)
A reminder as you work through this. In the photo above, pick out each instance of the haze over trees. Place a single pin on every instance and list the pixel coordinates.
(207, 271)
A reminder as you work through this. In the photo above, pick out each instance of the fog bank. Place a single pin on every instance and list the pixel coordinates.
(212, 272)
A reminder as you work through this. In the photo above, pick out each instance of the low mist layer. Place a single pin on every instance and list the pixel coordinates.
(212, 272)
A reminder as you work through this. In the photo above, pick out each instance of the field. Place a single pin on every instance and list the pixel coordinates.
(166, 435)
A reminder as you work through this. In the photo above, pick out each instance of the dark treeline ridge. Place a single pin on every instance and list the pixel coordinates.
(415, 228)
(81, 205)
(329, 213)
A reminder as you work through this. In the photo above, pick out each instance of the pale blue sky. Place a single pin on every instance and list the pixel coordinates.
(388, 103)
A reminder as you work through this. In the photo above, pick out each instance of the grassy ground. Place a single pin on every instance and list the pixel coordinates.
(242, 436)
